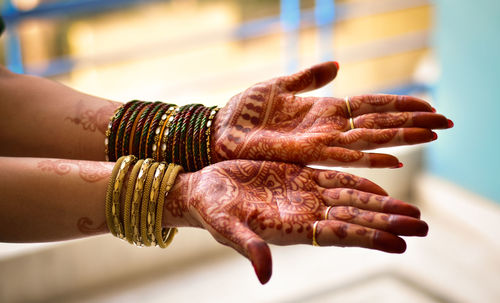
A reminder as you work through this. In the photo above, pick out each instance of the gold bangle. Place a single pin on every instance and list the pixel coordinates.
(108, 131)
(166, 133)
(161, 198)
(159, 132)
(138, 193)
(128, 200)
(351, 122)
(162, 145)
(117, 188)
(153, 197)
(109, 196)
(168, 234)
(164, 236)
(145, 202)
(209, 124)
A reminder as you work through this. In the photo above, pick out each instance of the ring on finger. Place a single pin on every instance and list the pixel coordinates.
(327, 211)
(348, 105)
(315, 229)
(346, 99)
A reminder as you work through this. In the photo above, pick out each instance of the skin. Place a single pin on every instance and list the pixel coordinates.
(243, 204)
(268, 121)
(247, 204)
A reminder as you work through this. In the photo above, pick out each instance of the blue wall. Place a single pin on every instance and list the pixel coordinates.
(467, 41)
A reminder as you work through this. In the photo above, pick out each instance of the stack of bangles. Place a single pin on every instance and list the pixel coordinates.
(163, 132)
(148, 184)
(152, 131)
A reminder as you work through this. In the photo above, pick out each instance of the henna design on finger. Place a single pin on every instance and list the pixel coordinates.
(382, 120)
(344, 213)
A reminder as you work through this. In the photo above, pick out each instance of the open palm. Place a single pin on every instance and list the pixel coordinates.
(247, 204)
(269, 121)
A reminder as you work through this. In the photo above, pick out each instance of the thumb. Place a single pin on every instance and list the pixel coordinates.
(232, 232)
(311, 78)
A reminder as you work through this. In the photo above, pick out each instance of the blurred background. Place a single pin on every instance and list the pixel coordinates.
(186, 51)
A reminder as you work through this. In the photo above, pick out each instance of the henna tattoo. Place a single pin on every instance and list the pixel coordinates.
(89, 171)
(345, 213)
(269, 196)
(85, 226)
(93, 120)
(268, 122)
(245, 204)
(382, 120)
(264, 124)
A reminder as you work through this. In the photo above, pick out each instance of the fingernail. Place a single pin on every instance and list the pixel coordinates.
(423, 229)
(433, 109)
(337, 64)
(434, 136)
(388, 242)
(399, 165)
(450, 123)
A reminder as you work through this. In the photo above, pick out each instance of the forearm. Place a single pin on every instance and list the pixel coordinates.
(43, 118)
(51, 199)
(58, 199)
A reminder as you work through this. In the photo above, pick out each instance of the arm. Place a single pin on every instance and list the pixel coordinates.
(43, 118)
(51, 199)
(243, 204)
(268, 121)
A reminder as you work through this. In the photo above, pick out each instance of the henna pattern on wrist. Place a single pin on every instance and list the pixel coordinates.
(86, 226)
(89, 171)
(93, 120)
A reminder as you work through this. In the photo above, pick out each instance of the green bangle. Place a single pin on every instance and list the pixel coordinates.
(121, 129)
(145, 129)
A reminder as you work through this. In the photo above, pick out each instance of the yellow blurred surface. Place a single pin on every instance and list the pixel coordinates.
(186, 50)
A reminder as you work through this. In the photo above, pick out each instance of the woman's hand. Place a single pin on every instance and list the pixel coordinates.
(247, 204)
(269, 122)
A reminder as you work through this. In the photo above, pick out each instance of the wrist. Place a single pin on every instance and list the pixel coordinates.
(176, 210)
(217, 133)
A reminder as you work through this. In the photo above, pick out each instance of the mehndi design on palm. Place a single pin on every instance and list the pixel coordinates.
(269, 121)
(247, 204)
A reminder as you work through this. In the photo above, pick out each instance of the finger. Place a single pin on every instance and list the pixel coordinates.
(310, 78)
(363, 138)
(334, 179)
(387, 103)
(396, 224)
(343, 157)
(406, 119)
(368, 201)
(231, 232)
(338, 233)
